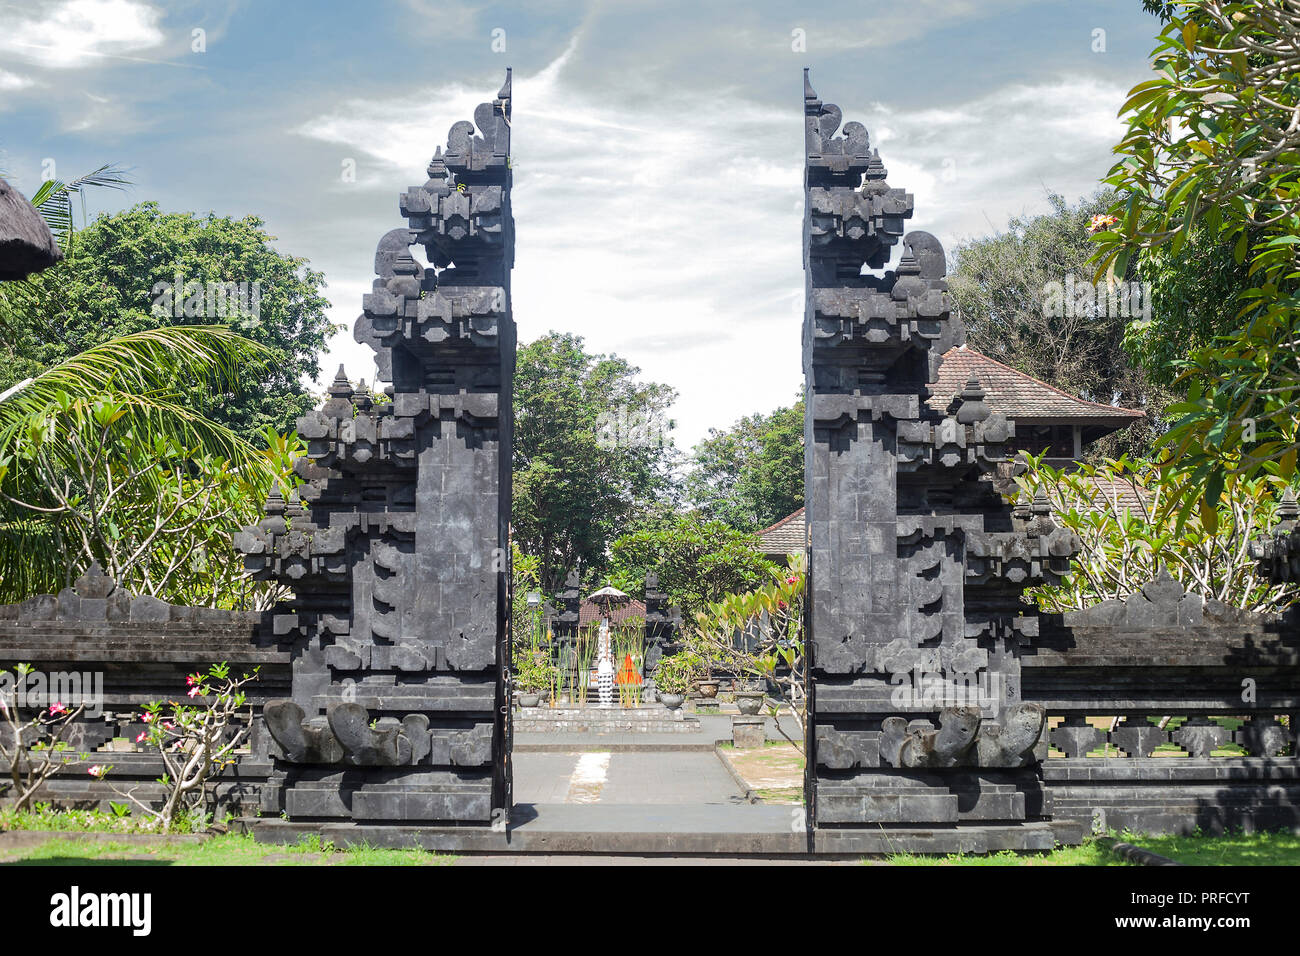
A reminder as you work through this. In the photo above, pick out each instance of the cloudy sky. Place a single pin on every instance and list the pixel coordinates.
(657, 145)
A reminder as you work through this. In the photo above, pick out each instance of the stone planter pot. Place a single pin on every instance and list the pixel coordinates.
(671, 701)
(529, 700)
(708, 688)
(749, 702)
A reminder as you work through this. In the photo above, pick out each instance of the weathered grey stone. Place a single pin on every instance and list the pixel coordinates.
(915, 559)
(397, 547)
(748, 733)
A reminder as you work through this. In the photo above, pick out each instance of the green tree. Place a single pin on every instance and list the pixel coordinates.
(750, 475)
(1124, 540)
(698, 561)
(1003, 287)
(1194, 300)
(1212, 148)
(117, 278)
(591, 454)
(102, 459)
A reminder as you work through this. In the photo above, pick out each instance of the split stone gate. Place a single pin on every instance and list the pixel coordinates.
(389, 677)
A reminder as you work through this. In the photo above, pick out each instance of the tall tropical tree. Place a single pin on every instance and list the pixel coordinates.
(1212, 154)
(750, 475)
(103, 457)
(100, 460)
(591, 454)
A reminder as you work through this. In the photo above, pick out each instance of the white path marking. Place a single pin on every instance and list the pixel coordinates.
(588, 778)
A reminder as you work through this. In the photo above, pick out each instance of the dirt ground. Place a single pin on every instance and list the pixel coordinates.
(774, 772)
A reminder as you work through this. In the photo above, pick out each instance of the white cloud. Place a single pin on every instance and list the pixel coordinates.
(69, 34)
(973, 165)
(675, 240)
(12, 82)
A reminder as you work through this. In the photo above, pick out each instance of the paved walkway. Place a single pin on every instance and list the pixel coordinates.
(665, 777)
(639, 795)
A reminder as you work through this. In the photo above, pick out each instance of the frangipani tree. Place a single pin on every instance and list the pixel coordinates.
(760, 634)
(1212, 154)
(100, 461)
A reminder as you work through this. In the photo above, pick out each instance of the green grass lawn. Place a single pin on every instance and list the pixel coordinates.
(222, 850)
(1280, 848)
(103, 842)
(1239, 849)
(1089, 854)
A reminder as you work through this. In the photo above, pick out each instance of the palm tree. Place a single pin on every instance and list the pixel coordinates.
(109, 424)
(65, 426)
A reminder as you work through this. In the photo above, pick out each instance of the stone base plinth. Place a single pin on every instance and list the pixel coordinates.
(748, 733)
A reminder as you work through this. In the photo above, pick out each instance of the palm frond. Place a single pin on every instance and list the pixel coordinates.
(53, 200)
(32, 557)
(145, 373)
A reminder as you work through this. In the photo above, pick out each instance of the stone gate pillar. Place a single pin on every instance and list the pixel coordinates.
(916, 563)
(399, 563)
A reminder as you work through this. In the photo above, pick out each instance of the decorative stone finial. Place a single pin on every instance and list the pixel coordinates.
(437, 165)
(1041, 505)
(94, 583)
(1287, 508)
(341, 387)
(972, 408)
(363, 399)
(810, 100)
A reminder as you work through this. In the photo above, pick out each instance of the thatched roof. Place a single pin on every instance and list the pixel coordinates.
(26, 244)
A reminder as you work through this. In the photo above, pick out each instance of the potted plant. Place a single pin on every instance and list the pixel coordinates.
(534, 674)
(697, 651)
(672, 678)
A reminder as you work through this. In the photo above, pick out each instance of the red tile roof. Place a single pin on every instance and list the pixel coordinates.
(785, 536)
(589, 613)
(1017, 395)
(788, 534)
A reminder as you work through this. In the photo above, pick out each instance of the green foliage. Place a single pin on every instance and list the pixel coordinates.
(677, 672)
(1212, 146)
(100, 461)
(581, 477)
(534, 672)
(196, 742)
(697, 560)
(1126, 516)
(108, 286)
(760, 634)
(750, 475)
(1000, 287)
(526, 623)
(1193, 302)
(53, 200)
(33, 749)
